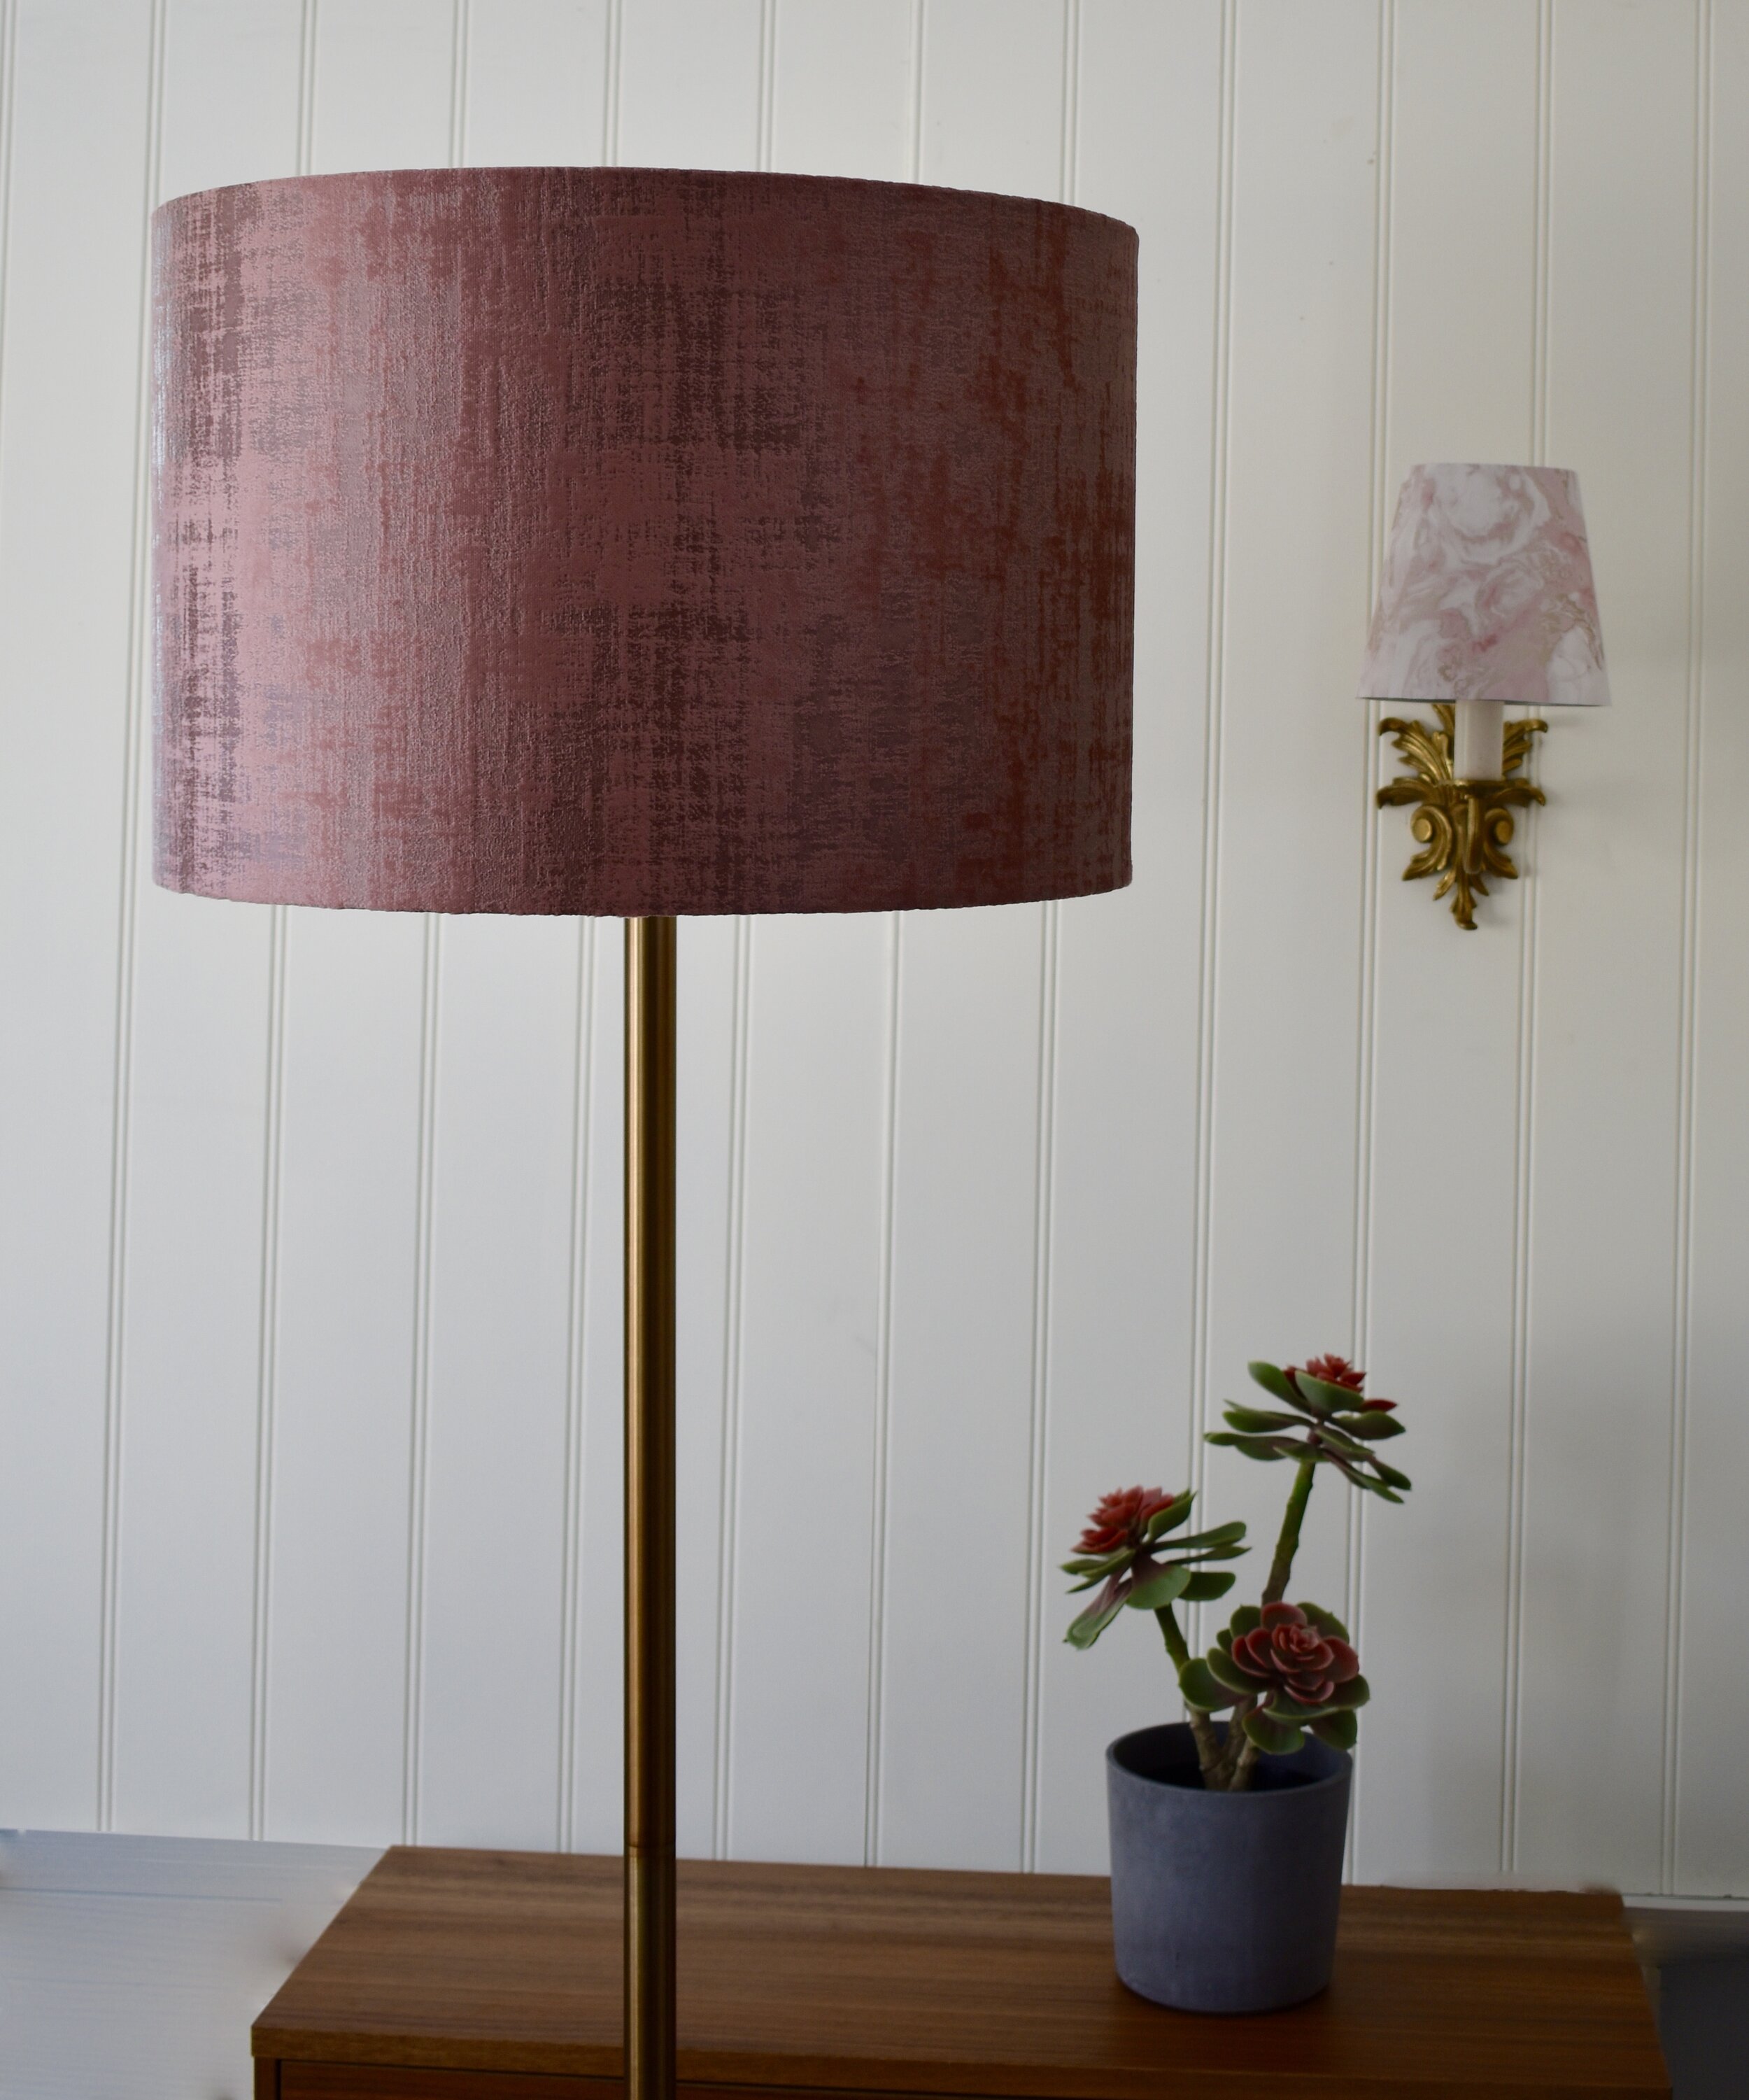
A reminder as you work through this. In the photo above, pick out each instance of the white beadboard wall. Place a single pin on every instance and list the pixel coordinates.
(308, 1313)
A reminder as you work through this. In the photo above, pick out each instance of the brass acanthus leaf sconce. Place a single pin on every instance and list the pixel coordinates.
(1487, 601)
(1462, 827)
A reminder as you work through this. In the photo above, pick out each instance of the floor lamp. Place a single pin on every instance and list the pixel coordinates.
(640, 544)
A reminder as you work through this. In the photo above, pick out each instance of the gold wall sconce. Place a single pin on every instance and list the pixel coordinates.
(1487, 601)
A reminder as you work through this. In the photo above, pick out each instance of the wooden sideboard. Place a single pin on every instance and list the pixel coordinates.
(454, 1975)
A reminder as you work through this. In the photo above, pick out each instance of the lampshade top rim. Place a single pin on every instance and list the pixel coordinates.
(771, 179)
(1486, 466)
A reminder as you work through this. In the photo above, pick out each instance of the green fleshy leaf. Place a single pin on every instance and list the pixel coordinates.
(1294, 1710)
(1345, 1697)
(1325, 1398)
(1275, 1384)
(1255, 1447)
(1374, 1427)
(1216, 1553)
(1258, 1421)
(1360, 1480)
(1227, 1672)
(1246, 1620)
(1084, 1631)
(1332, 1439)
(1326, 1622)
(1203, 1589)
(1220, 1534)
(1338, 1730)
(1274, 1737)
(1388, 1472)
(1176, 1512)
(1203, 1689)
(1156, 1592)
(1102, 1564)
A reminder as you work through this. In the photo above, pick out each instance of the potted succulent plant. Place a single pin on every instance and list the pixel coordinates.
(1227, 1834)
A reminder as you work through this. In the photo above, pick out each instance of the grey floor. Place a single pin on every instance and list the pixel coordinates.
(130, 1968)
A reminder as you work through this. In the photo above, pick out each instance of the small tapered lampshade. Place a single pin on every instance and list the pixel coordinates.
(1487, 593)
(625, 542)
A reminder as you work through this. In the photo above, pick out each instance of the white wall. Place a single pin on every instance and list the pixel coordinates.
(308, 1224)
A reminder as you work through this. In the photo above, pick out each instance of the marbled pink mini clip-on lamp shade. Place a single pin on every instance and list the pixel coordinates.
(1487, 601)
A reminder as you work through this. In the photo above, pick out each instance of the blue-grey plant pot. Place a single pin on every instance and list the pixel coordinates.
(1225, 1903)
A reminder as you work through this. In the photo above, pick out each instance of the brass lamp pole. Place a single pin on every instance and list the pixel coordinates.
(650, 1004)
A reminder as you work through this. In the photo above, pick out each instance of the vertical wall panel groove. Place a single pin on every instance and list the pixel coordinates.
(306, 54)
(419, 1410)
(1682, 1277)
(274, 1148)
(461, 25)
(425, 1200)
(8, 105)
(1366, 1023)
(730, 1533)
(273, 1152)
(914, 147)
(576, 1321)
(133, 768)
(267, 1376)
(880, 1531)
(878, 1516)
(1214, 699)
(1707, 1825)
(1525, 1113)
(734, 1358)
(1036, 1555)
(768, 80)
(610, 94)
(1039, 1398)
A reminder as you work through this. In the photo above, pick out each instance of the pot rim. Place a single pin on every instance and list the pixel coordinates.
(1339, 1777)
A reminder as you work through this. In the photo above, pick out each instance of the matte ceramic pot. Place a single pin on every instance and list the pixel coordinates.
(1224, 1903)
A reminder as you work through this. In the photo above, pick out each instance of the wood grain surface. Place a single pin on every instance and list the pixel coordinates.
(488, 1975)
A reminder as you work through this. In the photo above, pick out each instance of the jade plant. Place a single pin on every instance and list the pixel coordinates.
(1278, 1671)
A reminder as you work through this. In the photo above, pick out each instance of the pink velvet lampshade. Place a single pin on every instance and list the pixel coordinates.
(625, 542)
(1487, 592)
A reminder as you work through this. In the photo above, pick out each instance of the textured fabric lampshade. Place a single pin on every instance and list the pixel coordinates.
(627, 542)
(1487, 592)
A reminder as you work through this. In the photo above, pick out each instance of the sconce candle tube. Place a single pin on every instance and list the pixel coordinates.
(1480, 738)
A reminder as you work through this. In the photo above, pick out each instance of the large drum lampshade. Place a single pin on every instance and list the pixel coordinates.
(616, 541)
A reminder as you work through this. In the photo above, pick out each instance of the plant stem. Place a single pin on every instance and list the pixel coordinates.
(1235, 1744)
(1201, 1729)
(1241, 1753)
(1287, 1545)
(1242, 1778)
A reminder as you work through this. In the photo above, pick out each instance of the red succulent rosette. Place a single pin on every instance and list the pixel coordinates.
(1293, 1658)
(1120, 1519)
(1286, 1668)
(1124, 1553)
(1333, 1422)
(1337, 1370)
